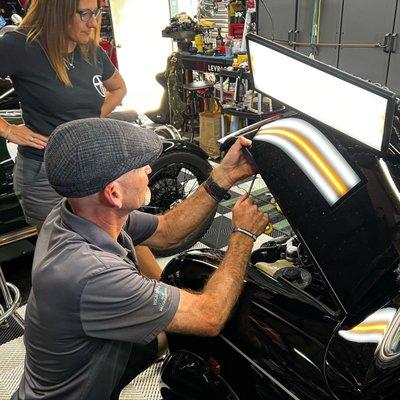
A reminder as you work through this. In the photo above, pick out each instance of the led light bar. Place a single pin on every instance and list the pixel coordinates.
(346, 103)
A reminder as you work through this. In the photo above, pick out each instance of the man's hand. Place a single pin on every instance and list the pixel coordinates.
(20, 134)
(247, 215)
(235, 165)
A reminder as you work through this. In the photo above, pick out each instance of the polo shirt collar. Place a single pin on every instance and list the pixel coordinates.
(91, 232)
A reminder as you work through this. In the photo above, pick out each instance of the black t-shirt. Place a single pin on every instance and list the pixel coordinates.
(45, 101)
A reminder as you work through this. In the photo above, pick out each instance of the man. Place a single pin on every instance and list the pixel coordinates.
(94, 320)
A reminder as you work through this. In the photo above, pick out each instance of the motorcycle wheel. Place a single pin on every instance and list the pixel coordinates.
(175, 176)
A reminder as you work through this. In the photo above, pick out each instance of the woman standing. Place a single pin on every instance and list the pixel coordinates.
(59, 74)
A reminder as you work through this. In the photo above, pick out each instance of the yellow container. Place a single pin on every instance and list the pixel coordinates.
(199, 43)
(241, 57)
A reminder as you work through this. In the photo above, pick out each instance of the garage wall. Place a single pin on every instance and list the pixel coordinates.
(342, 21)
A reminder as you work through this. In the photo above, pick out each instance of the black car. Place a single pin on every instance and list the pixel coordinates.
(319, 315)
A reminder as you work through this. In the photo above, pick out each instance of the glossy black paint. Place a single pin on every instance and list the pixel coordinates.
(283, 342)
(353, 243)
(171, 145)
(260, 330)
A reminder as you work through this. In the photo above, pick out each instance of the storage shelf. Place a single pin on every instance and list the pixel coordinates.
(246, 114)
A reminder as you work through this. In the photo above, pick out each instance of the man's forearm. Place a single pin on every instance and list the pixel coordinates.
(205, 312)
(188, 215)
(175, 225)
(225, 285)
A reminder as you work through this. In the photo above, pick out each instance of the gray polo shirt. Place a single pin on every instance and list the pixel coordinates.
(88, 305)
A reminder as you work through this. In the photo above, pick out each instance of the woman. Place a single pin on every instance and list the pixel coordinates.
(59, 74)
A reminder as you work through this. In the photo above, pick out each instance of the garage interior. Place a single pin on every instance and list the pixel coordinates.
(199, 73)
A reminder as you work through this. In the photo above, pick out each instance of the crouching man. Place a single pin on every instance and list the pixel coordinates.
(93, 320)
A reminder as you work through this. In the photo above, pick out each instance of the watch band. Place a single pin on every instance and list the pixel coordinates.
(245, 231)
(215, 191)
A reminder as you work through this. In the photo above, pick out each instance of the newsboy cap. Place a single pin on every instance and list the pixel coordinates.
(83, 156)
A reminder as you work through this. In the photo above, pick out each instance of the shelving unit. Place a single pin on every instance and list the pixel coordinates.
(238, 110)
(107, 41)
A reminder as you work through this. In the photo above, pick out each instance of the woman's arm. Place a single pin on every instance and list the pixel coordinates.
(20, 134)
(116, 91)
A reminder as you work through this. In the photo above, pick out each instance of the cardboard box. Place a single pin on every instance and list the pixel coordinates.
(210, 132)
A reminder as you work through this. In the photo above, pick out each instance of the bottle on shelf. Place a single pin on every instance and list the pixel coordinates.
(229, 47)
(219, 40)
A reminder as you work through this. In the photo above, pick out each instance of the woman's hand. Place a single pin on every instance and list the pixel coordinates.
(20, 134)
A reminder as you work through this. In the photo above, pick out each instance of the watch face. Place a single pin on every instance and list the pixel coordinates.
(2, 22)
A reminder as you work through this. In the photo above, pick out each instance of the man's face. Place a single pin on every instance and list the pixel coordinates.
(80, 31)
(134, 188)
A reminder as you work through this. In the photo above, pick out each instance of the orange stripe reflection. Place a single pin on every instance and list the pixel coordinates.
(315, 157)
(379, 327)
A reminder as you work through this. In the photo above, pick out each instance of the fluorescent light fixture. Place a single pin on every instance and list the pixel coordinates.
(348, 104)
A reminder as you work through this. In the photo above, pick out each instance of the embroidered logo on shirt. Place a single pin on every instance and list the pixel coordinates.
(98, 84)
(160, 297)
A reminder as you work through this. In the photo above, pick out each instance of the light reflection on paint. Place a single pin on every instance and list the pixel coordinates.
(305, 357)
(314, 154)
(372, 329)
(389, 179)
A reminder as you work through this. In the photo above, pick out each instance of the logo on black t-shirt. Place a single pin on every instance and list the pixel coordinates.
(98, 84)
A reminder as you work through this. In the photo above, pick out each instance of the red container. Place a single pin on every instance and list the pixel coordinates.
(236, 30)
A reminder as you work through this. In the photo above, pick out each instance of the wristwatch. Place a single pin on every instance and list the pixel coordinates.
(215, 191)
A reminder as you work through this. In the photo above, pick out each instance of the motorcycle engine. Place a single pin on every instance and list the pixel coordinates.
(282, 259)
(288, 261)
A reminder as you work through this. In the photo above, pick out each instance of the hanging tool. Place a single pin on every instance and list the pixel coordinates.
(315, 28)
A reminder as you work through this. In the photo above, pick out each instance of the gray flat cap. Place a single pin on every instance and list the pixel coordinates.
(83, 156)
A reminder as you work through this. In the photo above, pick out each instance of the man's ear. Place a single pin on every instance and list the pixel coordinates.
(112, 194)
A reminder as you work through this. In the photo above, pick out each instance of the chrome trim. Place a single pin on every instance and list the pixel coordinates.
(15, 304)
(255, 365)
(17, 235)
(384, 352)
(389, 179)
(254, 127)
(7, 93)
